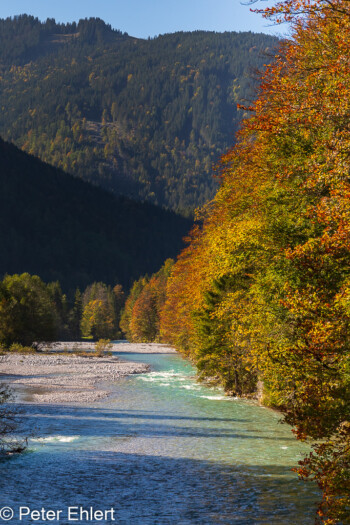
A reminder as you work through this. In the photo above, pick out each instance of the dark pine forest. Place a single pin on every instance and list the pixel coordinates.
(66, 230)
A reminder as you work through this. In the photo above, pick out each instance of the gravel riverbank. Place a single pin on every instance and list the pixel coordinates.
(125, 347)
(56, 378)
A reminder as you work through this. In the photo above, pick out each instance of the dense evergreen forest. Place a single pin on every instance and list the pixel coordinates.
(260, 297)
(143, 118)
(61, 228)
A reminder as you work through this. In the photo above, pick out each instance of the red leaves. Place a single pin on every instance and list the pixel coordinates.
(329, 466)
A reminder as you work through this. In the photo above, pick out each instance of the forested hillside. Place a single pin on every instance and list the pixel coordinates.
(61, 228)
(144, 118)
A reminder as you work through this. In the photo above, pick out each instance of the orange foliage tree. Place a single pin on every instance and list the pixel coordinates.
(140, 319)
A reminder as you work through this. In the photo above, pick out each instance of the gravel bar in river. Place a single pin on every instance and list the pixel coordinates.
(57, 378)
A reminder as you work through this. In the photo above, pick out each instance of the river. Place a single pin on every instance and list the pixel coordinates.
(162, 449)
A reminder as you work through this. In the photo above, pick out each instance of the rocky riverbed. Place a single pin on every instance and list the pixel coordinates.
(55, 378)
(124, 347)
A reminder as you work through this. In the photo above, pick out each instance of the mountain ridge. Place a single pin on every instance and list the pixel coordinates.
(165, 108)
(61, 228)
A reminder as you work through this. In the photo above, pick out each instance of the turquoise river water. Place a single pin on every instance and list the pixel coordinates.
(162, 449)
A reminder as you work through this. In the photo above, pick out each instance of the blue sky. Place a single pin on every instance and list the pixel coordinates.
(143, 18)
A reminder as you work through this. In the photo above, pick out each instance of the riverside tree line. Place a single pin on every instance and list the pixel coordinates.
(261, 293)
(32, 312)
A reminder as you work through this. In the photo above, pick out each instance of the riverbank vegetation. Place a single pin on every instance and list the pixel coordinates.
(32, 312)
(262, 291)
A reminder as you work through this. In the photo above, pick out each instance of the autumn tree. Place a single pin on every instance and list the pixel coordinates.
(143, 323)
(126, 313)
(101, 309)
(141, 318)
(97, 321)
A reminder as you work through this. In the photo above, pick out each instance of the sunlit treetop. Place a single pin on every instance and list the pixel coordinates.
(299, 10)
